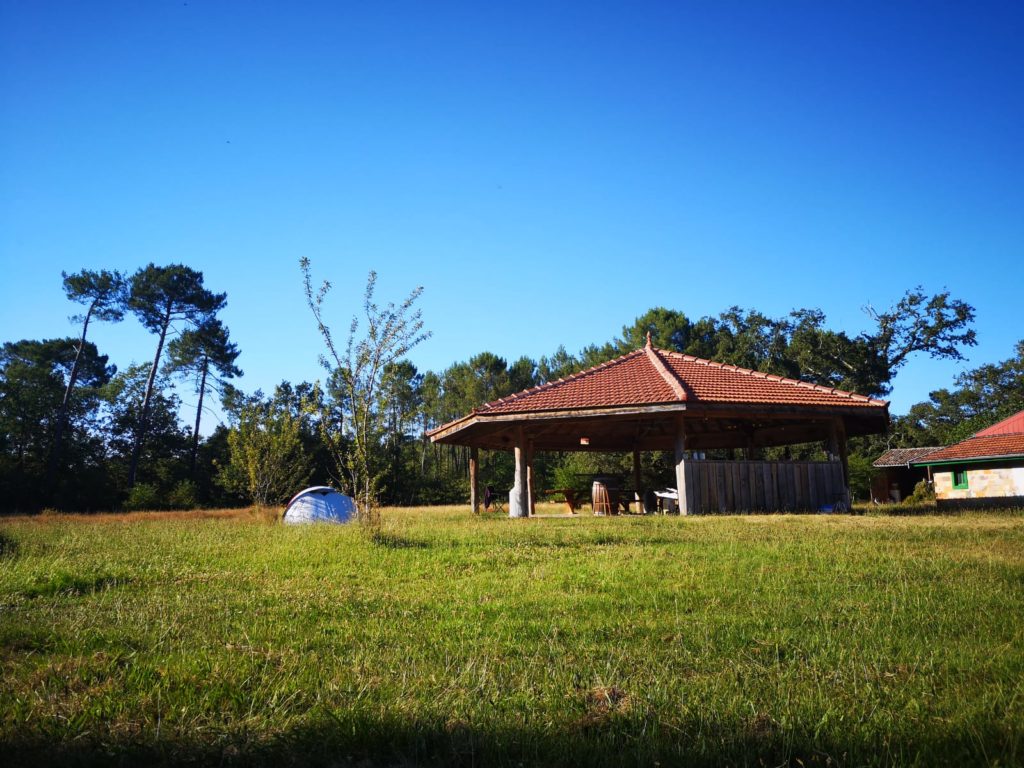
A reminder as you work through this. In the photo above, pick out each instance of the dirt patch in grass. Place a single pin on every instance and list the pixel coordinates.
(604, 704)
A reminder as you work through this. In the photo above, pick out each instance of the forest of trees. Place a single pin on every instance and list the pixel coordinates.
(77, 433)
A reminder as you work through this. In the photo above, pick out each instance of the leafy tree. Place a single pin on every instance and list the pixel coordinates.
(938, 326)
(669, 329)
(268, 461)
(160, 296)
(33, 376)
(522, 374)
(166, 445)
(801, 346)
(557, 366)
(401, 404)
(206, 355)
(983, 396)
(390, 333)
(103, 294)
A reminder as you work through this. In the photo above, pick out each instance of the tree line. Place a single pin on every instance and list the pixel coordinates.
(78, 434)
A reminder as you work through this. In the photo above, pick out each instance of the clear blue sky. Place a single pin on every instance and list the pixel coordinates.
(548, 171)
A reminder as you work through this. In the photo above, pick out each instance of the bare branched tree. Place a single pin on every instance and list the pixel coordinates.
(356, 375)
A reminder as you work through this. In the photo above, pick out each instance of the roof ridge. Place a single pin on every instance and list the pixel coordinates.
(775, 377)
(552, 384)
(674, 382)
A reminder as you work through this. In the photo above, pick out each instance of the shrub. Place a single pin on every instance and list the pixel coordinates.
(142, 496)
(183, 496)
(924, 493)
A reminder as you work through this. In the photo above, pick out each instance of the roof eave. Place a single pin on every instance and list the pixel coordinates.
(969, 460)
(446, 431)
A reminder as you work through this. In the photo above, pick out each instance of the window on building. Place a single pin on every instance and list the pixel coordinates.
(959, 479)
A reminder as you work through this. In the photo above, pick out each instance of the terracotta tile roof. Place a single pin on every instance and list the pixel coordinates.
(980, 447)
(1010, 426)
(649, 376)
(903, 457)
(719, 383)
(627, 380)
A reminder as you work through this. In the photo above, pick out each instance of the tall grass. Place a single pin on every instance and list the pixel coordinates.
(448, 639)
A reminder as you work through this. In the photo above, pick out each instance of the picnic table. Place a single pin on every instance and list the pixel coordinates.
(572, 497)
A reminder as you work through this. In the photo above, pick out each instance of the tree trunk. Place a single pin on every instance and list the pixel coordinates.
(140, 433)
(62, 414)
(199, 414)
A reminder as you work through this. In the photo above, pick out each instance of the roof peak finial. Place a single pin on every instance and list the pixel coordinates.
(648, 338)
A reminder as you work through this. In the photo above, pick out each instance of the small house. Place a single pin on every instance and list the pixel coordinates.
(898, 474)
(986, 469)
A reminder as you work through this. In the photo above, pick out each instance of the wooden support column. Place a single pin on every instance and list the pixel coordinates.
(517, 503)
(637, 479)
(474, 480)
(748, 447)
(531, 497)
(685, 493)
(837, 437)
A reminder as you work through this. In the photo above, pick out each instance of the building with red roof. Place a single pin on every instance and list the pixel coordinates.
(986, 469)
(653, 400)
(899, 473)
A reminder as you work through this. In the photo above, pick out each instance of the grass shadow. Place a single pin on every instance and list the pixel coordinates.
(8, 546)
(346, 738)
(70, 585)
(394, 541)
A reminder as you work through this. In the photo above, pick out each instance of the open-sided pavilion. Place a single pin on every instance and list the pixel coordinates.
(656, 400)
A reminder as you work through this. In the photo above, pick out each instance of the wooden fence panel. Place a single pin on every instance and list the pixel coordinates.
(762, 486)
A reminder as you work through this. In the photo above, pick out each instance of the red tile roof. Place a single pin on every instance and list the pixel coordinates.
(979, 447)
(902, 457)
(1004, 439)
(1010, 426)
(649, 376)
(719, 383)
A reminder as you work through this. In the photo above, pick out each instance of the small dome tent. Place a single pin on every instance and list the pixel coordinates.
(319, 504)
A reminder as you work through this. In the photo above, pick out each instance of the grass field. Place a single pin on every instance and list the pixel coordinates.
(801, 640)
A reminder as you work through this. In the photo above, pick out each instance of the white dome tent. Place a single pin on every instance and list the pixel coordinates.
(319, 504)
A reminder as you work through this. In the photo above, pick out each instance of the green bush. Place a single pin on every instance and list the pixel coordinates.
(183, 496)
(142, 496)
(924, 493)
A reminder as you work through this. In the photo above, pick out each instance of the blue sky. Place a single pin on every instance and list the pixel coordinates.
(548, 171)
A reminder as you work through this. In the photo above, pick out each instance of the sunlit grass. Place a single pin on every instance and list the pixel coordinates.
(220, 637)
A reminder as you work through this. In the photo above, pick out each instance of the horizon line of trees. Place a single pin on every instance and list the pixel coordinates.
(78, 434)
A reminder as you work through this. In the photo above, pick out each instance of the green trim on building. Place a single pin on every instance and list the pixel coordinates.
(960, 479)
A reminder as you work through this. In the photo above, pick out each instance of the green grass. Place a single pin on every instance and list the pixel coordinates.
(800, 640)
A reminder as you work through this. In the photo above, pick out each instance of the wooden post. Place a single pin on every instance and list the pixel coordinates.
(832, 443)
(839, 430)
(517, 504)
(637, 480)
(474, 480)
(685, 496)
(530, 494)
